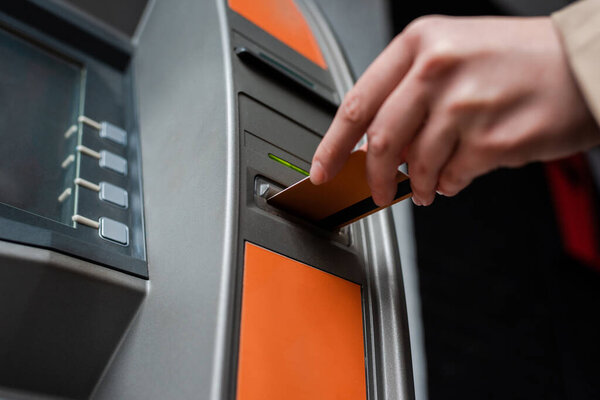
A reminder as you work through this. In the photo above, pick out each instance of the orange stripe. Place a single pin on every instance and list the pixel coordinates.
(283, 20)
(301, 332)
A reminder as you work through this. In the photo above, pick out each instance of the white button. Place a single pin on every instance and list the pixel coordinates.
(114, 231)
(113, 133)
(113, 194)
(113, 162)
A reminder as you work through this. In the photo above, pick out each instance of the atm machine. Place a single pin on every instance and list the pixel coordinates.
(139, 258)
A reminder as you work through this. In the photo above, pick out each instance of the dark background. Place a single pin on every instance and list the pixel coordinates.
(507, 313)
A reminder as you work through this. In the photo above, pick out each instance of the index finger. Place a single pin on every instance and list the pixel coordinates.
(359, 107)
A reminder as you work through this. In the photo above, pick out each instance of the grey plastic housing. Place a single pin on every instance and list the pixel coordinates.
(61, 320)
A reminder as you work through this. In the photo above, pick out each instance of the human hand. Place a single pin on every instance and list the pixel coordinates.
(456, 98)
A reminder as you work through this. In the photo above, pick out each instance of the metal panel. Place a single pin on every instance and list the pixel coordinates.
(201, 209)
(182, 78)
(61, 320)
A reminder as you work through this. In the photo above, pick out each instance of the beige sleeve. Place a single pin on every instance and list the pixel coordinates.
(579, 26)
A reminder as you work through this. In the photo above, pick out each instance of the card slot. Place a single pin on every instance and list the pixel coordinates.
(339, 202)
(341, 236)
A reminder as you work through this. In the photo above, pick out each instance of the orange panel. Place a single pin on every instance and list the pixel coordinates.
(282, 19)
(302, 332)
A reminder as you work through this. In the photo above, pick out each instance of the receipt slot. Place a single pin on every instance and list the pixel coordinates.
(140, 258)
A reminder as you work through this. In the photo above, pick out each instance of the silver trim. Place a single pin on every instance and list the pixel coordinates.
(403, 221)
(224, 321)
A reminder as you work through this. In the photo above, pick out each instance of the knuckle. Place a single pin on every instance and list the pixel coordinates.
(463, 105)
(510, 151)
(419, 170)
(379, 142)
(352, 109)
(438, 59)
(422, 24)
(493, 148)
(416, 26)
(398, 40)
(470, 98)
(326, 152)
(497, 148)
(457, 106)
(324, 155)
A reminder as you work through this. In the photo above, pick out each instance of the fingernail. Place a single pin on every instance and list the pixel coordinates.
(382, 199)
(440, 193)
(317, 174)
(416, 201)
(376, 199)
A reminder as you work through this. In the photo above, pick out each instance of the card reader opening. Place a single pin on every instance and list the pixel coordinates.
(265, 188)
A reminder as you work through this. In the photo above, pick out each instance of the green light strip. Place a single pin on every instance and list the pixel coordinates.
(288, 164)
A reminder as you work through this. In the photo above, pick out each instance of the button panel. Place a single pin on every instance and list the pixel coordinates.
(113, 198)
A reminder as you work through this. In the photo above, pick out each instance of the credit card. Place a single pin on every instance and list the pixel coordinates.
(339, 202)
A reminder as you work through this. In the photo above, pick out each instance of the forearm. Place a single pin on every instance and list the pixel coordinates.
(579, 28)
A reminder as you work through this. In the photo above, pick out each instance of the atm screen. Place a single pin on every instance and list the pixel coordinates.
(40, 93)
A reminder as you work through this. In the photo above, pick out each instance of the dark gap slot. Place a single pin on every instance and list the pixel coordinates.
(51, 24)
(338, 235)
(285, 76)
(360, 208)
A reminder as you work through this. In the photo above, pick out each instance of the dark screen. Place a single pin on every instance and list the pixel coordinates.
(40, 98)
(124, 16)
